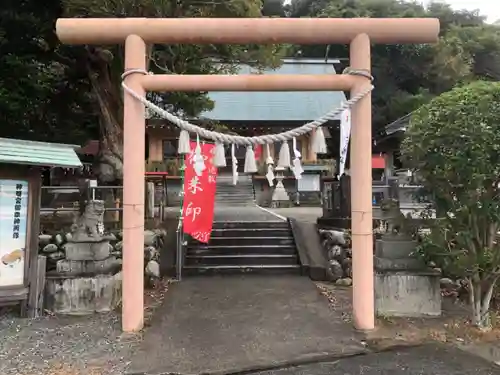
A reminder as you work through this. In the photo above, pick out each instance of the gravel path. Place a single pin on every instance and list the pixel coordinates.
(67, 345)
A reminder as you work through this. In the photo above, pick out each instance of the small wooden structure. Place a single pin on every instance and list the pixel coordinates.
(22, 270)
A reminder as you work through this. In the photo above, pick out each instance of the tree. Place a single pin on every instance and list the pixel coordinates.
(50, 91)
(38, 99)
(454, 143)
(104, 66)
(406, 76)
(274, 8)
(470, 52)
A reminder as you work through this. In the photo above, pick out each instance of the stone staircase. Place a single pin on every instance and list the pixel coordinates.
(256, 246)
(229, 195)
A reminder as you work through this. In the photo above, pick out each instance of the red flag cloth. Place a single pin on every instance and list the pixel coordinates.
(257, 151)
(199, 194)
(378, 162)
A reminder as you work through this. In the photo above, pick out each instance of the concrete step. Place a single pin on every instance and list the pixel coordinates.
(251, 225)
(242, 260)
(233, 204)
(245, 249)
(275, 232)
(232, 200)
(239, 250)
(236, 192)
(234, 196)
(247, 268)
(254, 241)
(238, 246)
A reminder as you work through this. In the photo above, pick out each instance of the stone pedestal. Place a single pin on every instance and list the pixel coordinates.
(88, 278)
(88, 250)
(81, 295)
(404, 287)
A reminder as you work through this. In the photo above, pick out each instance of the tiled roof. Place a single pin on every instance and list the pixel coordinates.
(277, 106)
(15, 151)
(90, 148)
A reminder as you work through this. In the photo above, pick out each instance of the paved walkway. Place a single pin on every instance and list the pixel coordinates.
(234, 323)
(424, 360)
(307, 214)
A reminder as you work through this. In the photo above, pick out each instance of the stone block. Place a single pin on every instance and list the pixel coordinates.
(87, 250)
(408, 294)
(83, 295)
(89, 267)
(398, 264)
(394, 248)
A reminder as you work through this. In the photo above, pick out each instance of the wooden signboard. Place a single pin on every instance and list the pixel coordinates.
(21, 270)
(14, 196)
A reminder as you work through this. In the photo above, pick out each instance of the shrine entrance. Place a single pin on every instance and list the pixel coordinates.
(136, 33)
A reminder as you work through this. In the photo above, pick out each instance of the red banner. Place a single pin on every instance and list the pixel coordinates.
(199, 193)
(257, 151)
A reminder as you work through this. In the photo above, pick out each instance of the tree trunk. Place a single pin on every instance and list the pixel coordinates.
(108, 98)
(480, 294)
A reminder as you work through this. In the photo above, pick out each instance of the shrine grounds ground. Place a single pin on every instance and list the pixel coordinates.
(246, 324)
(95, 346)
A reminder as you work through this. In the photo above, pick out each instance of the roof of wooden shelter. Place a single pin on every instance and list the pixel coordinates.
(17, 151)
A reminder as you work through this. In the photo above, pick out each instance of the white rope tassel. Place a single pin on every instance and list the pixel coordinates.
(219, 155)
(198, 159)
(297, 165)
(269, 159)
(284, 156)
(184, 146)
(235, 164)
(250, 164)
(319, 142)
(270, 165)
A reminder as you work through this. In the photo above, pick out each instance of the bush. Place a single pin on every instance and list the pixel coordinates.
(454, 143)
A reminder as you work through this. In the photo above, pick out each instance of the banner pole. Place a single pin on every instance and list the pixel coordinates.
(180, 227)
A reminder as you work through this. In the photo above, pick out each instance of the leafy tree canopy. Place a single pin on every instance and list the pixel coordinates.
(49, 91)
(72, 93)
(454, 143)
(407, 76)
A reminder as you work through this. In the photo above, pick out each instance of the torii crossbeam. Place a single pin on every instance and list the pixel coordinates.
(137, 32)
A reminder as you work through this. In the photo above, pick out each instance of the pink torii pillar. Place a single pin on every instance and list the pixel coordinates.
(136, 33)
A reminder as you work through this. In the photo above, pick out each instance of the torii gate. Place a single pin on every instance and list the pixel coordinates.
(137, 32)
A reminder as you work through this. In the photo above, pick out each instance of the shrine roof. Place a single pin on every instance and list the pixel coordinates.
(16, 151)
(278, 106)
(398, 126)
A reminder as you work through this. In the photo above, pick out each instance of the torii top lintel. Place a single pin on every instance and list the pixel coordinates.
(247, 30)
